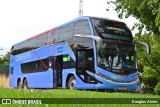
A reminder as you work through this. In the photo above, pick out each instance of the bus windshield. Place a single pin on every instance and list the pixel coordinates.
(108, 29)
(117, 57)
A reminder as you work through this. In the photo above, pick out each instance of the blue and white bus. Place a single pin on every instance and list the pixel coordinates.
(85, 53)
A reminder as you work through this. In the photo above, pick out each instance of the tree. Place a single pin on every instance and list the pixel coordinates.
(5, 59)
(146, 11)
(149, 65)
(4, 63)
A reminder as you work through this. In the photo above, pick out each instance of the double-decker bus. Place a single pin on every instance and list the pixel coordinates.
(85, 53)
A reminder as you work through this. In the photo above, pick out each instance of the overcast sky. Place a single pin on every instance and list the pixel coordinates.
(21, 19)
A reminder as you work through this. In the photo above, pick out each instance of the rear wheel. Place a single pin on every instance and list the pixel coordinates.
(71, 83)
(25, 84)
(19, 84)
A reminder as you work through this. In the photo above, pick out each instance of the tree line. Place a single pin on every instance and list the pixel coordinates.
(4, 63)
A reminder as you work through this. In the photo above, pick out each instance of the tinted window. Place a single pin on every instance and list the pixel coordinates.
(41, 40)
(33, 43)
(82, 27)
(66, 32)
(24, 47)
(20, 48)
(54, 36)
(35, 66)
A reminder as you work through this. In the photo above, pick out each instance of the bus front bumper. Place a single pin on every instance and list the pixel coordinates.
(117, 86)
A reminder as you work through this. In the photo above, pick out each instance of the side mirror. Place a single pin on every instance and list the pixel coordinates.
(96, 38)
(148, 49)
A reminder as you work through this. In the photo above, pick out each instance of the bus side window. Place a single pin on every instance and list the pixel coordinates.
(66, 32)
(54, 36)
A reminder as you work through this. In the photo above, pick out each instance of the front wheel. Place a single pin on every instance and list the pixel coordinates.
(25, 84)
(72, 83)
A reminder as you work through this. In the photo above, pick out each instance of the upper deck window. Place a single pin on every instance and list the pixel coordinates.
(82, 27)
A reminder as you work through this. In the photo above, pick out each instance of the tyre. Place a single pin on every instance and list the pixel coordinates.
(25, 84)
(71, 83)
(19, 84)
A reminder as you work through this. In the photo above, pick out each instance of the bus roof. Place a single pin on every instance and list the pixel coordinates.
(76, 19)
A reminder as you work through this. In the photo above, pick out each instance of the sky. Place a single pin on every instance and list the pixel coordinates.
(21, 19)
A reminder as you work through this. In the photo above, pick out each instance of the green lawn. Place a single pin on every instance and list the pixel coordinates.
(74, 94)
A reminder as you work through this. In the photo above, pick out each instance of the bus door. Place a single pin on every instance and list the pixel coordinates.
(84, 66)
(58, 68)
(55, 65)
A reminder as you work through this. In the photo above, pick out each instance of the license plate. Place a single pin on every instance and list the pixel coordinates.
(122, 88)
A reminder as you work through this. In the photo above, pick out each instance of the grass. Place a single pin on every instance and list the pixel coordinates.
(6, 92)
(64, 93)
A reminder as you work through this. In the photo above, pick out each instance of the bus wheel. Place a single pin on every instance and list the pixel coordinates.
(25, 84)
(19, 84)
(72, 83)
